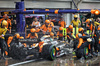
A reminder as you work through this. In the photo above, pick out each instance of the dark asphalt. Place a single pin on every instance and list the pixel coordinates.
(68, 60)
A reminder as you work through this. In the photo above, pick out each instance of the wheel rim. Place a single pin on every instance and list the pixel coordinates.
(53, 53)
(86, 52)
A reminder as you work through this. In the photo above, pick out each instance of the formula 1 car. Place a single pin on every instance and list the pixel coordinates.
(37, 48)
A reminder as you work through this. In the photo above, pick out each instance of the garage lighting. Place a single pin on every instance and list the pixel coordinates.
(92, 11)
(96, 12)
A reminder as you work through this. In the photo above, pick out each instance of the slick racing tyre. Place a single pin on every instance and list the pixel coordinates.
(79, 53)
(49, 52)
(18, 52)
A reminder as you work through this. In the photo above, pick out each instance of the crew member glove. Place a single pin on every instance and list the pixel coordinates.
(89, 39)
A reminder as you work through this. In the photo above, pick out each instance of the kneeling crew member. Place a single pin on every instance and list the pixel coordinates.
(84, 41)
(60, 33)
(98, 39)
(46, 27)
(69, 31)
(33, 34)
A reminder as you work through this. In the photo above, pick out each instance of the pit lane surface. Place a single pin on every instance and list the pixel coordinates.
(68, 60)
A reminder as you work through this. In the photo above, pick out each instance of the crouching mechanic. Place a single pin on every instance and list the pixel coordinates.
(33, 34)
(60, 34)
(15, 38)
(51, 36)
(46, 28)
(3, 44)
(84, 41)
(69, 31)
(98, 39)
